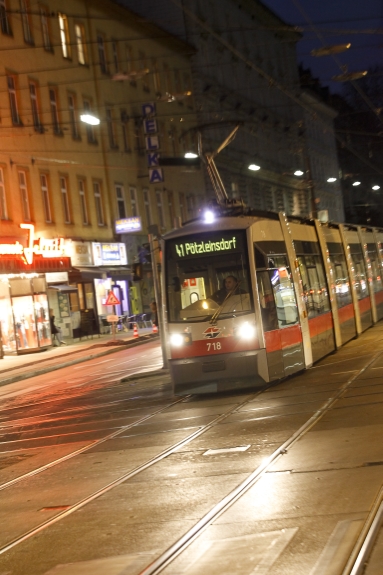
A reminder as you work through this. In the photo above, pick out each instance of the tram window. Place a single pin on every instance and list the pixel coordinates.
(284, 296)
(315, 291)
(360, 278)
(376, 276)
(266, 301)
(342, 282)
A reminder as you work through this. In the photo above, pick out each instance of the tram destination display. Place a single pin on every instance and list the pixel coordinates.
(207, 245)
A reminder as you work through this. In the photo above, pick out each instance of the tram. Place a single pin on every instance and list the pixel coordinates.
(256, 297)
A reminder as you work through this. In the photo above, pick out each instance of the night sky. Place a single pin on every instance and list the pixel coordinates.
(329, 22)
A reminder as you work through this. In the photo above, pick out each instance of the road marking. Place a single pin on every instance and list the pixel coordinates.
(340, 372)
(226, 450)
(338, 548)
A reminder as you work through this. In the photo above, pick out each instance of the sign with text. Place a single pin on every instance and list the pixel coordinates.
(207, 245)
(109, 253)
(127, 225)
(156, 175)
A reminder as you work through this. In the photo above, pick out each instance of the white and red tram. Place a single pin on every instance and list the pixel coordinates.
(304, 289)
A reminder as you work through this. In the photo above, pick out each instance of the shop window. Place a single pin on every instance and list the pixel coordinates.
(4, 20)
(83, 203)
(44, 17)
(64, 35)
(33, 92)
(65, 199)
(26, 23)
(45, 196)
(73, 116)
(3, 198)
(11, 80)
(80, 43)
(120, 196)
(24, 196)
(98, 203)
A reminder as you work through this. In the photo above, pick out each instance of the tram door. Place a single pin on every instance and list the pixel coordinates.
(280, 319)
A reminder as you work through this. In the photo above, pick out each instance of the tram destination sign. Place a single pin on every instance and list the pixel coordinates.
(208, 245)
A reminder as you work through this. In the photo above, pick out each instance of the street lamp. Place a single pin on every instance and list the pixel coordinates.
(190, 155)
(90, 119)
(376, 187)
(356, 183)
(329, 50)
(298, 173)
(254, 167)
(330, 180)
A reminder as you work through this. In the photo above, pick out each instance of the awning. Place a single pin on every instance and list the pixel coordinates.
(63, 288)
(115, 272)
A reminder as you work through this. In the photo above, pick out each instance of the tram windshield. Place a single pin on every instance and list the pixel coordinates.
(207, 274)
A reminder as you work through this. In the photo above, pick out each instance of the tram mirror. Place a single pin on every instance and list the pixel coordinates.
(176, 284)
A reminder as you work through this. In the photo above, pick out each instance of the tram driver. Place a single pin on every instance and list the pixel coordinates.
(230, 284)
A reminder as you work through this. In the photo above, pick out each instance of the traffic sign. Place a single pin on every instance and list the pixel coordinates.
(111, 318)
(112, 299)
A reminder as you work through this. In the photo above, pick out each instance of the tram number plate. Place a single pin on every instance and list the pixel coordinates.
(213, 346)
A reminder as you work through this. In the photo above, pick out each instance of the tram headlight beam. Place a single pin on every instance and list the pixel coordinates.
(246, 331)
(180, 339)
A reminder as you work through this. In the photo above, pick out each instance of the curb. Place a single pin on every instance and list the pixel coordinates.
(145, 375)
(27, 375)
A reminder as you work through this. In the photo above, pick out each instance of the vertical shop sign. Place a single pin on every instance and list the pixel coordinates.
(152, 143)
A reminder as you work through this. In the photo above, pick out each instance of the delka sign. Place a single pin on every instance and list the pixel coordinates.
(112, 299)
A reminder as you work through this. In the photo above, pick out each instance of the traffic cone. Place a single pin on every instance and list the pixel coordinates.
(155, 328)
(135, 331)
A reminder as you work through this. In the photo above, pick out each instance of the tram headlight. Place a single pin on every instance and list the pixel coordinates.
(246, 331)
(180, 339)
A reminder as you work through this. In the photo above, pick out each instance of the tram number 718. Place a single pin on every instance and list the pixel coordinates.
(213, 346)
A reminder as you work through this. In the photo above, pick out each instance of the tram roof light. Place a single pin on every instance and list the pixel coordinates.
(331, 180)
(356, 183)
(90, 119)
(209, 217)
(254, 167)
(376, 187)
(298, 173)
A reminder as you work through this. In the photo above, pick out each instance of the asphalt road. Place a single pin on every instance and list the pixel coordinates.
(104, 476)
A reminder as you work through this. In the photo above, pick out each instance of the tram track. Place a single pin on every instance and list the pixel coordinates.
(219, 508)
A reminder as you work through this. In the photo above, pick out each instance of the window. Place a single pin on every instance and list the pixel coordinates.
(102, 54)
(143, 70)
(168, 81)
(133, 202)
(115, 56)
(89, 129)
(26, 23)
(160, 209)
(80, 43)
(73, 116)
(147, 207)
(13, 100)
(84, 209)
(24, 196)
(171, 208)
(121, 209)
(182, 207)
(3, 198)
(45, 30)
(110, 125)
(156, 77)
(35, 107)
(125, 130)
(4, 22)
(98, 203)
(130, 62)
(65, 199)
(64, 35)
(54, 111)
(46, 201)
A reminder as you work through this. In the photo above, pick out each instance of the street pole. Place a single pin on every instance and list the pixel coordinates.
(157, 295)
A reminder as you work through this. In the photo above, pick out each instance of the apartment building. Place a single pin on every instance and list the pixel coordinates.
(76, 198)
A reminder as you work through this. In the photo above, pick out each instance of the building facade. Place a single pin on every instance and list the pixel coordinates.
(87, 192)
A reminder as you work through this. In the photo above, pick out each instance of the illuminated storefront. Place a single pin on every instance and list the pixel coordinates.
(24, 307)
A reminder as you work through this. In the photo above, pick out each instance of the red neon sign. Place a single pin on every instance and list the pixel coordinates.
(46, 248)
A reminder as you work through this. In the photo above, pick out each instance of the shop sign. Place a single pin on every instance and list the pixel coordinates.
(152, 142)
(127, 225)
(57, 277)
(106, 254)
(81, 253)
(55, 248)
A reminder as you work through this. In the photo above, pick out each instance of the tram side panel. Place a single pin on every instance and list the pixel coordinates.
(374, 275)
(277, 301)
(342, 287)
(378, 242)
(315, 289)
(360, 278)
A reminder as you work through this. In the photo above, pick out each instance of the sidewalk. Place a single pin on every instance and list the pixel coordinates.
(17, 367)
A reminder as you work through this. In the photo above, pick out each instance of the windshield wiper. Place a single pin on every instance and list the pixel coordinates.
(217, 313)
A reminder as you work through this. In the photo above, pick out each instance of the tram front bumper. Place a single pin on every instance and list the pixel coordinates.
(222, 372)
